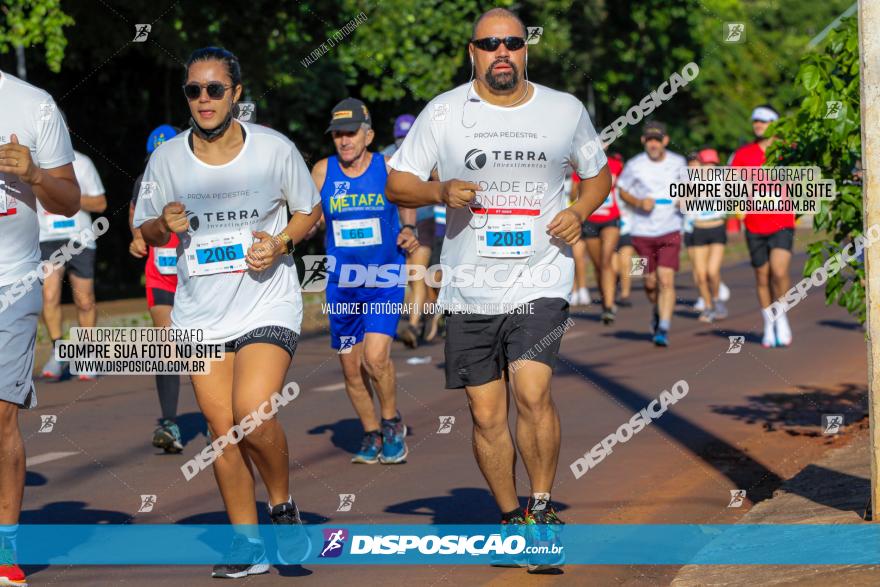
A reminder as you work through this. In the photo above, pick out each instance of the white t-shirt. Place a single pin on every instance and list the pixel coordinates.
(519, 156)
(54, 227)
(644, 178)
(30, 114)
(225, 203)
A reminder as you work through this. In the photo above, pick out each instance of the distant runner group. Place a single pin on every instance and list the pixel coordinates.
(500, 183)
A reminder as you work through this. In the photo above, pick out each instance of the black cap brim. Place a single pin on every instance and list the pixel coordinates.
(343, 127)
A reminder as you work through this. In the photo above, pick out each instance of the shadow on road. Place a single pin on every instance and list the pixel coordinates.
(464, 505)
(831, 488)
(743, 471)
(843, 325)
(800, 413)
(347, 434)
(33, 479)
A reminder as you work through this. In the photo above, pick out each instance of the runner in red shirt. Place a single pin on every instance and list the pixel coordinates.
(601, 232)
(161, 283)
(770, 237)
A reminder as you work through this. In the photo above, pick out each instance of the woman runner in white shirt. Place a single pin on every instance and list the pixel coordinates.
(223, 187)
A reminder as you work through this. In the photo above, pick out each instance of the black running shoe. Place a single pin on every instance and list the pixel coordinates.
(608, 317)
(294, 545)
(544, 530)
(243, 558)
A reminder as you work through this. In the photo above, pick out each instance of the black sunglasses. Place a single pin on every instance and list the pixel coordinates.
(492, 43)
(216, 90)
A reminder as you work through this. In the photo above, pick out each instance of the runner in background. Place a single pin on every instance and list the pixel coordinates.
(160, 274)
(601, 233)
(770, 236)
(435, 325)
(414, 330)
(56, 231)
(580, 293)
(705, 236)
(364, 229)
(35, 166)
(623, 259)
(656, 231)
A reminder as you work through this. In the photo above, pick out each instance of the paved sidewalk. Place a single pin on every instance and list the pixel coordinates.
(834, 490)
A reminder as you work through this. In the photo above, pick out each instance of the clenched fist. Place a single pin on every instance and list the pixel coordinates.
(16, 159)
(174, 217)
(457, 193)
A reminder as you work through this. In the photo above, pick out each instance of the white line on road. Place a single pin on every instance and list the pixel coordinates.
(48, 458)
(341, 386)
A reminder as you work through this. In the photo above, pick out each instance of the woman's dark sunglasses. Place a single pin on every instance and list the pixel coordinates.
(492, 43)
(215, 90)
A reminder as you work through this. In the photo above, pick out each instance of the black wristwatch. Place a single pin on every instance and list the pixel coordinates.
(414, 230)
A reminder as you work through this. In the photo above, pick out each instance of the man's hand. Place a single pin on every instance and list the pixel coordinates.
(174, 217)
(457, 193)
(264, 252)
(407, 241)
(646, 204)
(567, 226)
(138, 248)
(16, 159)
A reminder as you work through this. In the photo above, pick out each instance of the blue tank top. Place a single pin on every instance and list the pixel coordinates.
(362, 225)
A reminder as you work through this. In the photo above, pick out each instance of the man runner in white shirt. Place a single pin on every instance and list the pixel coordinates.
(656, 222)
(56, 231)
(501, 148)
(35, 166)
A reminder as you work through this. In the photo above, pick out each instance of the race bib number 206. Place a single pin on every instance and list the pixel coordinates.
(219, 253)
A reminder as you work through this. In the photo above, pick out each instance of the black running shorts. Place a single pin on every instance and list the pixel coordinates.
(277, 335)
(760, 245)
(479, 347)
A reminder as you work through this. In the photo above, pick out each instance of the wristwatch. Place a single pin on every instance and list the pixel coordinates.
(286, 240)
(414, 230)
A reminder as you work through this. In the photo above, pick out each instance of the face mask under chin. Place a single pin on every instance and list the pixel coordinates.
(210, 134)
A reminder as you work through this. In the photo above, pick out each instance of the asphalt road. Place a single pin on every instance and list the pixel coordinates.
(749, 420)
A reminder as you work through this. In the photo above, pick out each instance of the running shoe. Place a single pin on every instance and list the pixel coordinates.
(707, 316)
(293, 541)
(371, 446)
(10, 573)
(720, 310)
(242, 559)
(655, 321)
(409, 334)
(544, 530)
(700, 305)
(53, 369)
(768, 341)
(608, 317)
(661, 338)
(394, 449)
(88, 376)
(723, 292)
(167, 437)
(783, 332)
(514, 526)
(624, 302)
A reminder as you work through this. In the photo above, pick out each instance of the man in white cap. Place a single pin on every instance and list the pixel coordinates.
(770, 237)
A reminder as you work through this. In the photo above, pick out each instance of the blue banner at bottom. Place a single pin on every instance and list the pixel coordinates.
(573, 544)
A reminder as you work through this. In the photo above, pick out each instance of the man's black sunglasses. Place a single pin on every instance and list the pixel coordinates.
(492, 43)
(215, 90)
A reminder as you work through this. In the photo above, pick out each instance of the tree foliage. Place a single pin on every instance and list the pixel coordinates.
(35, 22)
(809, 136)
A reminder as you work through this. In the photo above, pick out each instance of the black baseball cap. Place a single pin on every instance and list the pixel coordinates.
(348, 115)
(654, 130)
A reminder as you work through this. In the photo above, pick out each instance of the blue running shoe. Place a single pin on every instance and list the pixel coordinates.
(394, 449)
(371, 446)
(544, 535)
(512, 526)
(167, 437)
(661, 338)
(294, 545)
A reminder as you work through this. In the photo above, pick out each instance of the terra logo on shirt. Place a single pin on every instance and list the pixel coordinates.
(476, 159)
